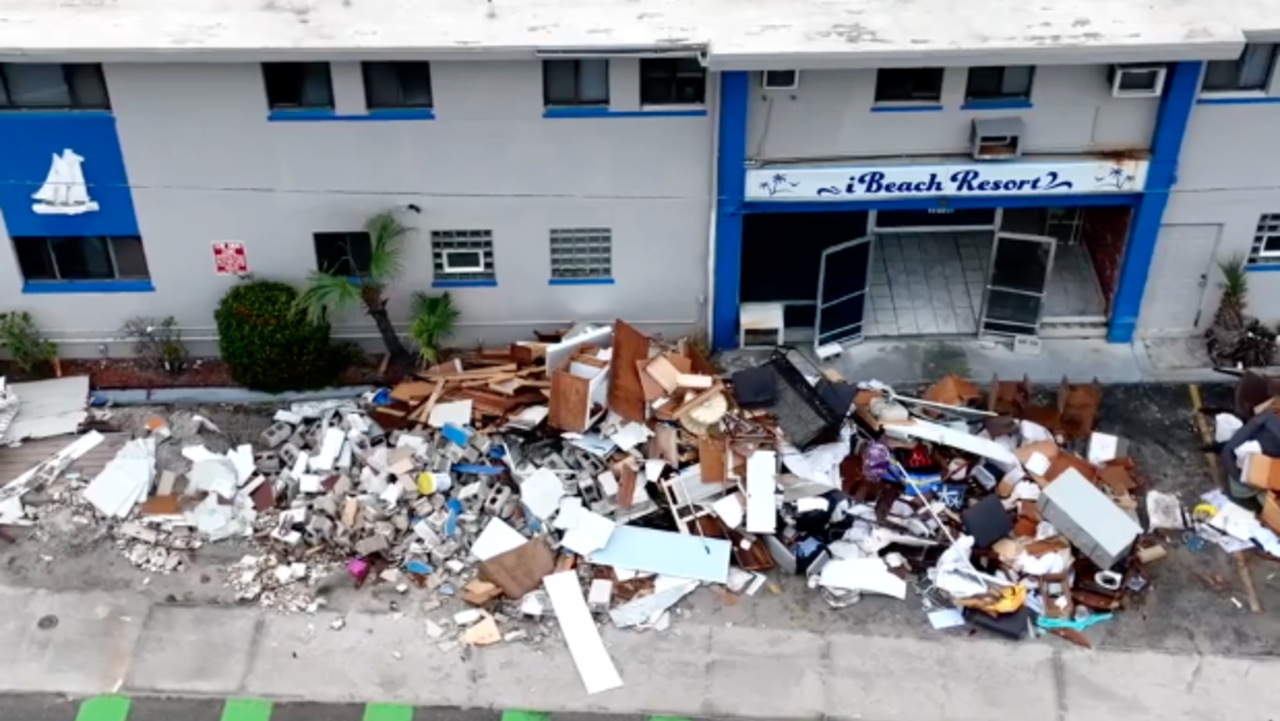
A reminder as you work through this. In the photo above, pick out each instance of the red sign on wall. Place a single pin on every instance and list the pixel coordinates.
(229, 258)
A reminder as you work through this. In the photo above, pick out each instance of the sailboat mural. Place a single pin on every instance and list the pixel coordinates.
(64, 191)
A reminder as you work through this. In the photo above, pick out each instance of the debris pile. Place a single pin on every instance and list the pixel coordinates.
(602, 474)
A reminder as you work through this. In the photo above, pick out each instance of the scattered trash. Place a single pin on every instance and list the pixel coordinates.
(602, 476)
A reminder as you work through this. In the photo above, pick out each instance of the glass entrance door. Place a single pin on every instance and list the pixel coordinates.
(843, 278)
(1021, 259)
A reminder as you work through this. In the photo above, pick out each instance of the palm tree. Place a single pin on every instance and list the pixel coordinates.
(328, 293)
(432, 319)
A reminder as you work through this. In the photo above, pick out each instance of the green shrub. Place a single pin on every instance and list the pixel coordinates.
(268, 345)
(22, 338)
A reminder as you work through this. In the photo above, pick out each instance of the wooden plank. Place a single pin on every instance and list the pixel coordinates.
(711, 457)
(569, 402)
(472, 374)
(580, 633)
(626, 393)
(411, 391)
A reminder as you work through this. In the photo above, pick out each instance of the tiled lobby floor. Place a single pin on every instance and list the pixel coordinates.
(932, 283)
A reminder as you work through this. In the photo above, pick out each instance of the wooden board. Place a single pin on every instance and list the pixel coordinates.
(570, 401)
(626, 394)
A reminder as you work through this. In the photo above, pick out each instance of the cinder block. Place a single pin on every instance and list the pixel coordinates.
(276, 434)
(289, 454)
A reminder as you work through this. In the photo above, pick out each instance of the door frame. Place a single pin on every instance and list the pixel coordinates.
(860, 335)
(987, 287)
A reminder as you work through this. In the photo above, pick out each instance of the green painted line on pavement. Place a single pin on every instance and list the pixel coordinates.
(388, 712)
(104, 708)
(525, 716)
(246, 709)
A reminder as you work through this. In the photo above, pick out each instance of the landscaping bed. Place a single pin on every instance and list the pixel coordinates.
(121, 373)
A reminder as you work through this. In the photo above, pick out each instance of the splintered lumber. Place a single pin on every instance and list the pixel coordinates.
(488, 403)
(423, 411)
(474, 374)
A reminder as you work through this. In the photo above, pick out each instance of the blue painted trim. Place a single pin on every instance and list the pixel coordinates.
(600, 111)
(57, 113)
(49, 287)
(580, 281)
(377, 114)
(1268, 267)
(731, 188)
(905, 108)
(1144, 229)
(329, 116)
(1241, 100)
(1010, 104)
(301, 115)
(962, 203)
(464, 284)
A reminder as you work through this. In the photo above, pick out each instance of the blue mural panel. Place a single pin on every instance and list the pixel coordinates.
(63, 174)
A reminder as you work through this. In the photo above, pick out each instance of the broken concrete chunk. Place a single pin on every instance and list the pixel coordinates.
(372, 544)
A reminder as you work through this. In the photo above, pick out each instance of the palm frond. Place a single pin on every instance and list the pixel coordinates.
(433, 318)
(386, 241)
(326, 293)
(1235, 280)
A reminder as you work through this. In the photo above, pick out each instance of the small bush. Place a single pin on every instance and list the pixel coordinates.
(268, 345)
(22, 338)
(158, 342)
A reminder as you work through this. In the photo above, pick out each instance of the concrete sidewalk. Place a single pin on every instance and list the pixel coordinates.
(919, 360)
(118, 642)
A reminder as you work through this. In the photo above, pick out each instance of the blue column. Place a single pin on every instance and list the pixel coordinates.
(1166, 143)
(731, 166)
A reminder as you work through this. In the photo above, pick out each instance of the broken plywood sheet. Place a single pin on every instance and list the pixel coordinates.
(595, 666)
(666, 553)
(17, 460)
(626, 393)
(48, 408)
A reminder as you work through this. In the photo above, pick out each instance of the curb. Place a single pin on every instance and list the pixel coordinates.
(200, 396)
(122, 708)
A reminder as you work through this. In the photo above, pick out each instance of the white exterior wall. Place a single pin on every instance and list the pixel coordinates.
(206, 165)
(830, 116)
(1226, 179)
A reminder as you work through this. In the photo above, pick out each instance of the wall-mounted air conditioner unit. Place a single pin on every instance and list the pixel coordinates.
(1137, 81)
(996, 138)
(780, 79)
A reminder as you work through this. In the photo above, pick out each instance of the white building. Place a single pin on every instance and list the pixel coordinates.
(1004, 167)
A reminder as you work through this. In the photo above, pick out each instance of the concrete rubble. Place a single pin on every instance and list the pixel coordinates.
(600, 475)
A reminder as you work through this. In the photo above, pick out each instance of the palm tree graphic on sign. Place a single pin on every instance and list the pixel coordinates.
(1116, 177)
(778, 184)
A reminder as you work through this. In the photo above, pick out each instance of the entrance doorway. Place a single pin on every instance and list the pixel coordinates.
(839, 277)
(1021, 260)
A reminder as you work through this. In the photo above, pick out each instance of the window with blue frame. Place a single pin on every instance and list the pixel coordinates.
(575, 82)
(390, 85)
(1251, 72)
(1266, 241)
(343, 254)
(672, 81)
(989, 84)
(909, 85)
(95, 258)
(48, 86)
(298, 86)
(581, 253)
